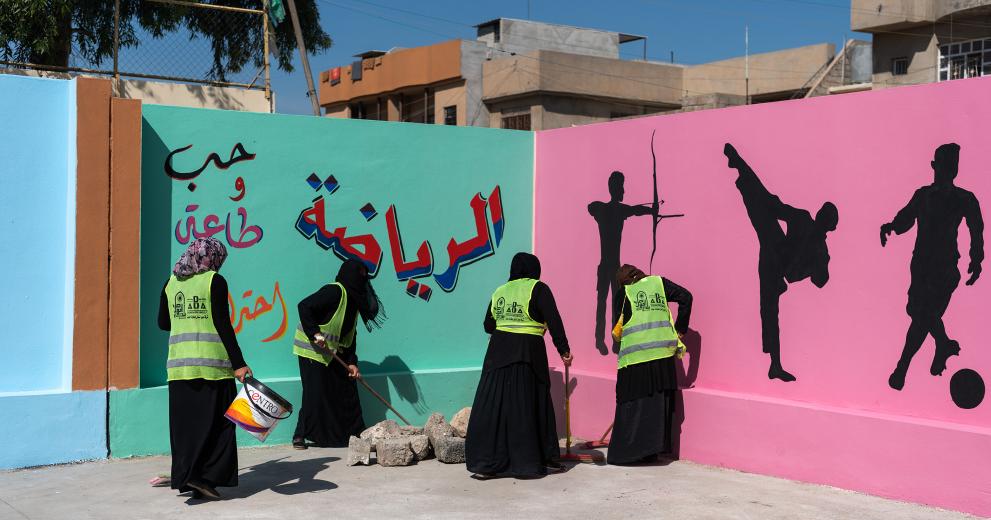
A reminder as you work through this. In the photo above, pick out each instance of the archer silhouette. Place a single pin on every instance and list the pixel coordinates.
(610, 217)
(938, 208)
(785, 256)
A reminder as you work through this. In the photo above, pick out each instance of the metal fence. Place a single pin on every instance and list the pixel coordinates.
(235, 54)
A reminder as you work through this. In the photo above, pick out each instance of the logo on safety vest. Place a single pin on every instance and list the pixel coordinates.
(641, 302)
(196, 308)
(498, 311)
(179, 306)
(657, 303)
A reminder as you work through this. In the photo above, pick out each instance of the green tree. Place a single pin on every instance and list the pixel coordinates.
(49, 32)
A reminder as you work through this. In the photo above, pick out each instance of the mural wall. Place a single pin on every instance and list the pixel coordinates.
(825, 242)
(436, 214)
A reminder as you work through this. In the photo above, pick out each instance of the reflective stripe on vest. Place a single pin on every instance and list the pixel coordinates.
(331, 331)
(649, 335)
(195, 348)
(511, 308)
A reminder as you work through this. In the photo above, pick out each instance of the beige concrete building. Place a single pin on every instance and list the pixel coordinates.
(535, 76)
(924, 41)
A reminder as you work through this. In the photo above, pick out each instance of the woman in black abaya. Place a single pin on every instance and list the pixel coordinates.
(645, 392)
(511, 429)
(331, 412)
(204, 359)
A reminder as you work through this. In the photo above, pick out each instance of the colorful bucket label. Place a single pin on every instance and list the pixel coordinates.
(244, 413)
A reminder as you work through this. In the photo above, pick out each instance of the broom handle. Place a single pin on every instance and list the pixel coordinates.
(567, 409)
(604, 435)
(372, 390)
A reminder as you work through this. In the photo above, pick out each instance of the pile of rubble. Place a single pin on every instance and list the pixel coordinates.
(396, 445)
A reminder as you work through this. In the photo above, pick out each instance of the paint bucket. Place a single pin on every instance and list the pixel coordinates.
(258, 409)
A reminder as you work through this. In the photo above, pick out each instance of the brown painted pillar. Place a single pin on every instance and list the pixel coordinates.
(125, 236)
(108, 211)
(89, 337)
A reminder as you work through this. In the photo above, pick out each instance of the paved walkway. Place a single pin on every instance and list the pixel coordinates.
(280, 483)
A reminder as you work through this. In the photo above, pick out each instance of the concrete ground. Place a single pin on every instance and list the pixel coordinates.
(280, 483)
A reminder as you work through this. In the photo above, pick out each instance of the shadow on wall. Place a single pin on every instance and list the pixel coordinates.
(688, 367)
(688, 372)
(156, 254)
(393, 370)
(557, 397)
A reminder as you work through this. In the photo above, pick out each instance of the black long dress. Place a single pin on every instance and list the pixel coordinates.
(645, 395)
(202, 439)
(331, 411)
(512, 428)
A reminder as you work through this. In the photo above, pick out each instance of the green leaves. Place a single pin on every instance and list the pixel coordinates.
(50, 32)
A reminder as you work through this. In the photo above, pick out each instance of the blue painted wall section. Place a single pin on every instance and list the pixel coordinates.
(37, 229)
(53, 429)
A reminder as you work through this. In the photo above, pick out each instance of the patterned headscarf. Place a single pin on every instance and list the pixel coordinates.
(204, 254)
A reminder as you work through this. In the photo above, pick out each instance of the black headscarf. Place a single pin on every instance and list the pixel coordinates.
(354, 277)
(524, 265)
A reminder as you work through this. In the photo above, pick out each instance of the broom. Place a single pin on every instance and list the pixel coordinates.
(578, 457)
(373, 392)
(602, 442)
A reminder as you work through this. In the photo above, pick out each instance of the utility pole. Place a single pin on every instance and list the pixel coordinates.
(746, 73)
(311, 92)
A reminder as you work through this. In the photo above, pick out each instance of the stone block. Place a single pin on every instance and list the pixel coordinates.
(449, 450)
(394, 452)
(460, 422)
(359, 452)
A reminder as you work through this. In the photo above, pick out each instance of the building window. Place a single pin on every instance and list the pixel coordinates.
(368, 110)
(899, 66)
(517, 122)
(418, 107)
(969, 59)
(451, 116)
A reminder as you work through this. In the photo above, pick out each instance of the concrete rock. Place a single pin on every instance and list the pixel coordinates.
(460, 422)
(394, 452)
(383, 430)
(359, 452)
(450, 450)
(420, 444)
(437, 427)
(410, 430)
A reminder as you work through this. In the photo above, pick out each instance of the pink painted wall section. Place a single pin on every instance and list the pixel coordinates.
(867, 153)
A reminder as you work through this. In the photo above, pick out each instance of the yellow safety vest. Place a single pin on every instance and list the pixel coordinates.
(331, 330)
(650, 333)
(195, 348)
(511, 308)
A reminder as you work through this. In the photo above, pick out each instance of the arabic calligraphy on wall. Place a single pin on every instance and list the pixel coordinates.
(248, 313)
(246, 235)
(312, 224)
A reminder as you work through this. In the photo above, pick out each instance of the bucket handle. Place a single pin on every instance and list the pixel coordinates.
(265, 413)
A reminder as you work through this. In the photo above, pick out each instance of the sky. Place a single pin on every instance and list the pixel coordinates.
(697, 31)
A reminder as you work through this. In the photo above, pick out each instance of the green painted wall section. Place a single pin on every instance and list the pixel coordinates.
(139, 420)
(429, 173)
(467, 193)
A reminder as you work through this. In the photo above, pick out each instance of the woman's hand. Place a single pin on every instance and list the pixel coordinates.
(567, 358)
(353, 372)
(242, 372)
(319, 340)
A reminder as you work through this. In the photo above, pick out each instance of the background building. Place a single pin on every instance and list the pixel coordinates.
(923, 41)
(534, 76)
